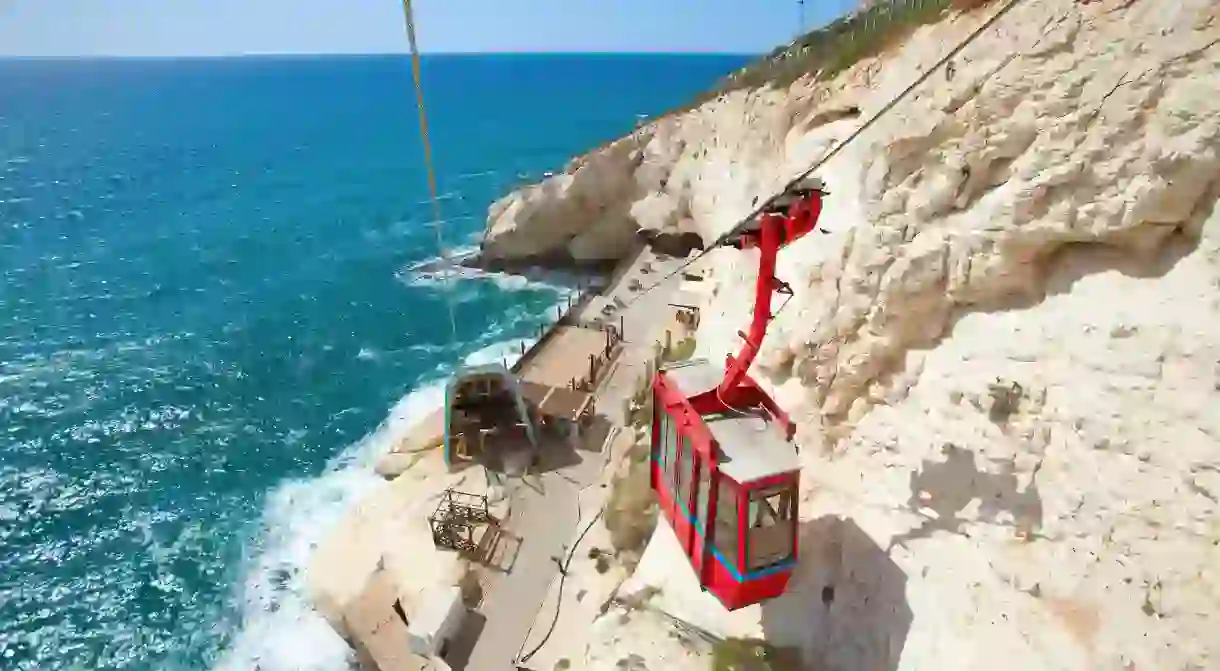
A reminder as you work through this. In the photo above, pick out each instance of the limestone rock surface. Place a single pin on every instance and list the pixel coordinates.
(1004, 359)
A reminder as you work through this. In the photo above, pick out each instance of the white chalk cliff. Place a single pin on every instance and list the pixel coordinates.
(1004, 360)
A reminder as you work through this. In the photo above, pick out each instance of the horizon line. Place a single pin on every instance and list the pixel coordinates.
(357, 54)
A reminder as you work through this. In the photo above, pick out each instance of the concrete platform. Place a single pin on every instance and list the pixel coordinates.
(565, 357)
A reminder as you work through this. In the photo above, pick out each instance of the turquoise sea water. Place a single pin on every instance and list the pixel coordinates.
(207, 325)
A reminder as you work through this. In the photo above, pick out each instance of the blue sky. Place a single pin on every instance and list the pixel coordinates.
(227, 27)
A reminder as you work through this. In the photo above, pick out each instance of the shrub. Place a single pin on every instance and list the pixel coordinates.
(631, 512)
(829, 50)
(752, 654)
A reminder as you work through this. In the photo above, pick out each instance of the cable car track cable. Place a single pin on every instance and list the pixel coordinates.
(743, 223)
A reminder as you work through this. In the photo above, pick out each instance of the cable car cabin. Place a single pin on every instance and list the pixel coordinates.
(727, 483)
(724, 466)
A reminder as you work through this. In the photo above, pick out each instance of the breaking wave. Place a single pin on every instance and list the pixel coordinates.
(280, 630)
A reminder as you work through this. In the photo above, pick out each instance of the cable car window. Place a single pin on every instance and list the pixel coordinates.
(662, 441)
(686, 471)
(770, 519)
(671, 455)
(726, 522)
(658, 430)
(666, 446)
(705, 491)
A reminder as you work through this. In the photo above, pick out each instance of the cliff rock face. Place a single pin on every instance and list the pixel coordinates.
(1005, 359)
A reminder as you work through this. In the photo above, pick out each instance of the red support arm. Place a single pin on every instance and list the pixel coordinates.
(775, 231)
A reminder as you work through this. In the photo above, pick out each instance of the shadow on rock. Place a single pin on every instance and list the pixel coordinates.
(947, 488)
(677, 245)
(846, 607)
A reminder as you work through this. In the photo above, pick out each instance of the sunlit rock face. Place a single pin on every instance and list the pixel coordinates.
(1003, 358)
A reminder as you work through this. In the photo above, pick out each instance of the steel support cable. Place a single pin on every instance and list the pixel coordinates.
(834, 151)
(437, 223)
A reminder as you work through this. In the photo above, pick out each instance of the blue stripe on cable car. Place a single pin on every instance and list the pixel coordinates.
(785, 565)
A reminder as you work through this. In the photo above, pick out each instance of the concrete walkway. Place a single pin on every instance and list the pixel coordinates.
(546, 509)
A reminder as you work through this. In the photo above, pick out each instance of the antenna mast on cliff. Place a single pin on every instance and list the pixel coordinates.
(800, 18)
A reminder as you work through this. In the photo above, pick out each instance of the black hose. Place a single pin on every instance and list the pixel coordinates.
(563, 575)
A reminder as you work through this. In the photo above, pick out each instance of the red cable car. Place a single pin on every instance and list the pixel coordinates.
(724, 466)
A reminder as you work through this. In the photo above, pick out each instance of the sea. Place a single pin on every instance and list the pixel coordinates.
(210, 325)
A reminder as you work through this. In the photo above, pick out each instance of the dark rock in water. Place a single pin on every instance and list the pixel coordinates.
(280, 578)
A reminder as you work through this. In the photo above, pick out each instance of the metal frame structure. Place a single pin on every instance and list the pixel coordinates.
(724, 466)
(455, 447)
(455, 519)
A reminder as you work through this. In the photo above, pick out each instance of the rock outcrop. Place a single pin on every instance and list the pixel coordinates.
(1005, 359)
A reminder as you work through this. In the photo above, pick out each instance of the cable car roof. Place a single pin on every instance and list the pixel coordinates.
(750, 447)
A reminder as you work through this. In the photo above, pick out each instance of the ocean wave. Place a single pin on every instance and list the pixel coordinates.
(418, 228)
(280, 630)
(506, 352)
(435, 273)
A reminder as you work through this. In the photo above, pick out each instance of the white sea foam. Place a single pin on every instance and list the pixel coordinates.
(280, 630)
(558, 283)
(506, 352)
(434, 272)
